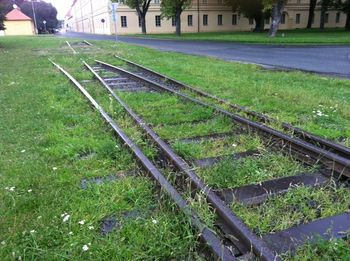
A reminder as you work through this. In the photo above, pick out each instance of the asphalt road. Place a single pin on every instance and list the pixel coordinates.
(330, 60)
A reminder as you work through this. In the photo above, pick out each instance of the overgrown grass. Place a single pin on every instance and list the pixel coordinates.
(293, 97)
(250, 170)
(50, 140)
(59, 130)
(298, 36)
(298, 206)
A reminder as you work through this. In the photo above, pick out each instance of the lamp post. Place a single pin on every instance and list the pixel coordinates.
(34, 17)
(114, 15)
(44, 22)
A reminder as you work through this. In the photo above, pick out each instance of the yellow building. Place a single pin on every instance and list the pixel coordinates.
(17, 23)
(91, 16)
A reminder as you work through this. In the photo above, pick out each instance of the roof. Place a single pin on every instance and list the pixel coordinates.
(17, 15)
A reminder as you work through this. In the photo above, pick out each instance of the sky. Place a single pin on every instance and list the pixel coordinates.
(62, 7)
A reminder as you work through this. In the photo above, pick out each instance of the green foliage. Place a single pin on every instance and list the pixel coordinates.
(43, 11)
(249, 8)
(171, 8)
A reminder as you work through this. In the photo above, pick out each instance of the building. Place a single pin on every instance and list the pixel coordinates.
(91, 16)
(17, 23)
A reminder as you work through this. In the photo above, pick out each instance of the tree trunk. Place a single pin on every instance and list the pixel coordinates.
(259, 23)
(143, 24)
(323, 13)
(276, 17)
(312, 7)
(178, 23)
(347, 24)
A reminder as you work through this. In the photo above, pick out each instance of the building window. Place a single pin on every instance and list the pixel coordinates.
(283, 19)
(297, 19)
(205, 1)
(337, 18)
(326, 17)
(173, 21)
(234, 19)
(156, 1)
(158, 21)
(190, 20)
(205, 20)
(220, 19)
(251, 21)
(124, 22)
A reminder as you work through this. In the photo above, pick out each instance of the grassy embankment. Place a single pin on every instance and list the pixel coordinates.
(285, 37)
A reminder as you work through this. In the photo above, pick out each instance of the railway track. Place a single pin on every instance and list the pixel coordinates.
(77, 47)
(319, 166)
(300, 133)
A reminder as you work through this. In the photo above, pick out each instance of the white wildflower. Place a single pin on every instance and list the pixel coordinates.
(70, 233)
(3, 243)
(54, 168)
(32, 231)
(39, 217)
(64, 214)
(30, 190)
(91, 228)
(234, 145)
(66, 217)
(85, 248)
(23, 151)
(81, 222)
(12, 189)
(154, 221)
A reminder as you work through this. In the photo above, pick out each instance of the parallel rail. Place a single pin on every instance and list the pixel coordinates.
(336, 148)
(301, 149)
(221, 251)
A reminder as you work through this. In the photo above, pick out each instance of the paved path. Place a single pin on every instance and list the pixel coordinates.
(331, 60)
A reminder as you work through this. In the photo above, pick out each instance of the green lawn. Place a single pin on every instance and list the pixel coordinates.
(51, 139)
(298, 36)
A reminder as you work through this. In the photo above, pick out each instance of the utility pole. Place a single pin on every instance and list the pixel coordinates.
(114, 15)
(34, 17)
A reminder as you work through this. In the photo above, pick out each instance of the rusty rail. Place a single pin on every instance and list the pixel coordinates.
(302, 134)
(301, 149)
(206, 234)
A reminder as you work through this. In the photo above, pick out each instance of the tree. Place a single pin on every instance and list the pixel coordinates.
(173, 9)
(312, 7)
(141, 7)
(325, 4)
(43, 11)
(252, 9)
(2, 17)
(277, 7)
(345, 7)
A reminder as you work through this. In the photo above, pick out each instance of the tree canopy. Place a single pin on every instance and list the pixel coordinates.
(43, 11)
(173, 9)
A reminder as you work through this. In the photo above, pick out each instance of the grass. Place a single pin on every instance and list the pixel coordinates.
(50, 140)
(64, 141)
(298, 206)
(213, 148)
(298, 36)
(250, 170)
(292, 97)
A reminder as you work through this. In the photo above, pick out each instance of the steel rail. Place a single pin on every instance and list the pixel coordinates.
(74, 51)
(335, 147)
(206, 234)
(88, 43)
(236, 225)
(301, 149)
